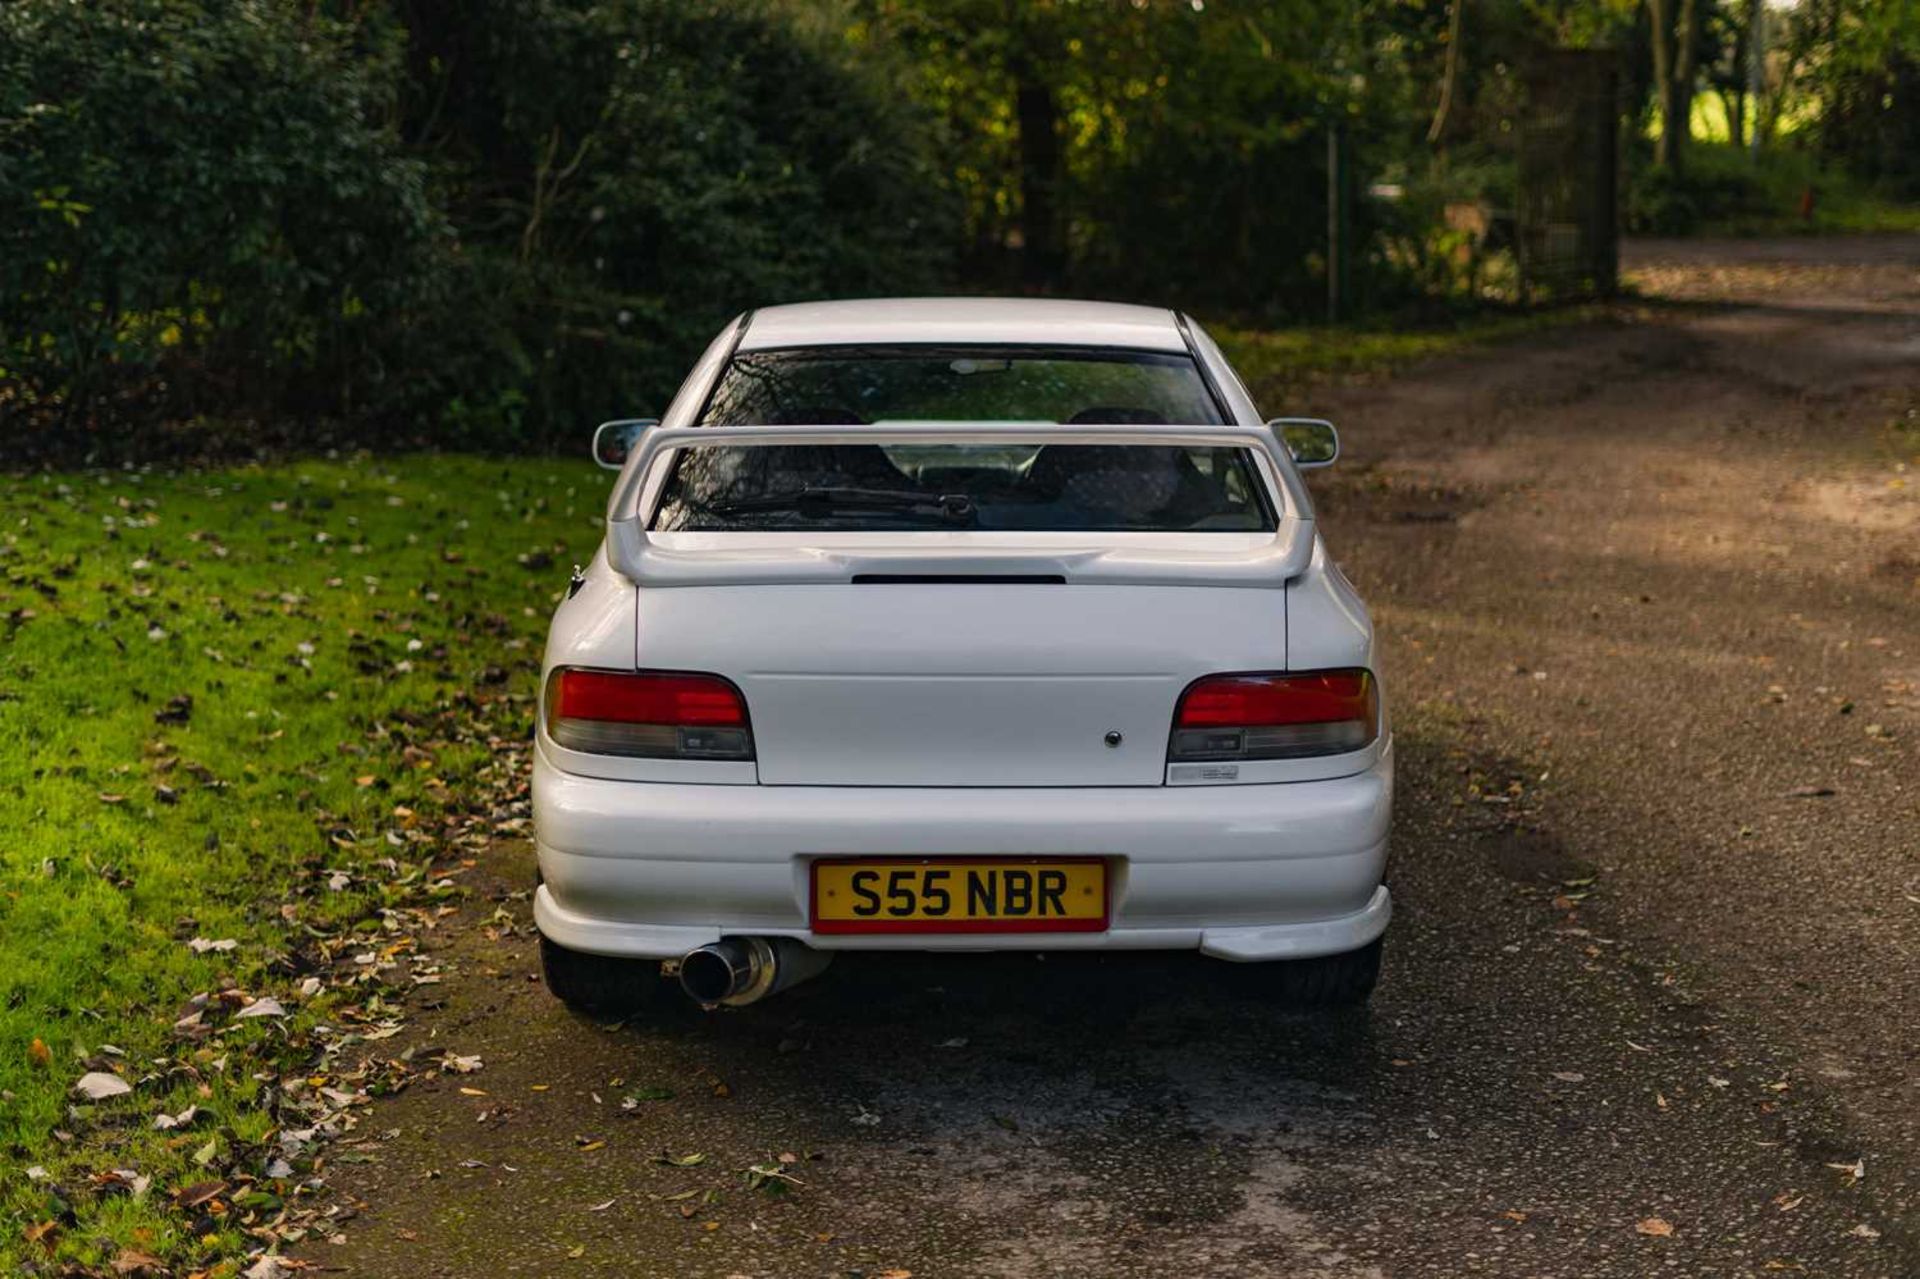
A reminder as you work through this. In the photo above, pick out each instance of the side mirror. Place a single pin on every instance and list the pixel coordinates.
(613, 441)
(1312, 441)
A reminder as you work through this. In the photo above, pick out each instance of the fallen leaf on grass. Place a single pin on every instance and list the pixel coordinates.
(198, 1193)
(265, 1006)
(132, 1261)
(201, 945)
(165, 1121)
(98, 1085)
(39, 1052)
(1658, 1227)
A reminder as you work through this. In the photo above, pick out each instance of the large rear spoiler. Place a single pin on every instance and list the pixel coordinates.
(1171, 559)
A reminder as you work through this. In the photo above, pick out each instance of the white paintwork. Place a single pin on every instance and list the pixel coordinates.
(953, 719)
(1168, 559)
(655, 870)
(964, 322)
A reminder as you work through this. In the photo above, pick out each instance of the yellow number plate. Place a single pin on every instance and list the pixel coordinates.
(999, 895)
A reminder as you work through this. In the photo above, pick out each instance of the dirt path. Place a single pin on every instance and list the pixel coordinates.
(1649, 603)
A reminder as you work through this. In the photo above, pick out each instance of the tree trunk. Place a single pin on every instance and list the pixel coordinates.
(1660, 36)
(1449, 76)
(1675, 49)
(1038, 117)
(1686, 50)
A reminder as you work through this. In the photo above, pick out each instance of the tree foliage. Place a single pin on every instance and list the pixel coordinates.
(494, 221)
(206, 189)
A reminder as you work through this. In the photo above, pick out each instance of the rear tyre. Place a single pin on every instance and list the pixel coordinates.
(1329, 981)
(599, 984)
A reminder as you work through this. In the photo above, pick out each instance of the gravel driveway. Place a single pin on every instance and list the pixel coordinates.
(1650, 599)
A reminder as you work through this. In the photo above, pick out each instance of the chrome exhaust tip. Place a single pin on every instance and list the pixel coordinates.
(736, 971)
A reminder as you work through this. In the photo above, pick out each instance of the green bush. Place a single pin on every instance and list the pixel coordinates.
(485, 223)
(630, 175)
(1726, 191)
(203, 207)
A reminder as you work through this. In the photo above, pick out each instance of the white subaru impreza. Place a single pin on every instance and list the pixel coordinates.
(958, 625)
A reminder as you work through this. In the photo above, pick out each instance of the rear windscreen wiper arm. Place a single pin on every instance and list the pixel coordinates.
(816, 503)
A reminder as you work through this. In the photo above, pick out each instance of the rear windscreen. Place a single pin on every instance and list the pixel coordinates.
(1035, 486)
(852, 386)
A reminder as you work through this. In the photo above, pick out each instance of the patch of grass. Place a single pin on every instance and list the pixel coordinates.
(223, 709)
(1727, 191)
(1275, 361)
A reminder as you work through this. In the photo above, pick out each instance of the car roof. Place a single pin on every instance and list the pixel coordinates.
(963, 322)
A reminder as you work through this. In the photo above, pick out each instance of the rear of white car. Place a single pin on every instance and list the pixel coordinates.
(958, 625)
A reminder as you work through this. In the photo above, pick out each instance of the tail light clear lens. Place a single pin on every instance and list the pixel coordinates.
(1276, 716)
(651, 714)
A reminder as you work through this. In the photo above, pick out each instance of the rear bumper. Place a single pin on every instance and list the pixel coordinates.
(649, 869)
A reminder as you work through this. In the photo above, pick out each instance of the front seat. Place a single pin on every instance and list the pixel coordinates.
(1123, 484)
(834, 465)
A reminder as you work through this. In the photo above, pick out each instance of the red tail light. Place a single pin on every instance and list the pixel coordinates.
(652, 714)
(1276, 716)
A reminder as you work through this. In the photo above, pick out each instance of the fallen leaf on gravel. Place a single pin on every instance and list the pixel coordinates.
(602, 1207)
(98, 1085)
(473, 1092)
(1570, 1076)
(1658, 1227)
(576, 1252)
(591, 1145)
(1864, 1231)
(265, 1006)
(958, 1041)
(1856, 1171)
(896, 1274)
(1514, 1214)
(679, 1161)
(464, 1065)
(1787, 1201)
